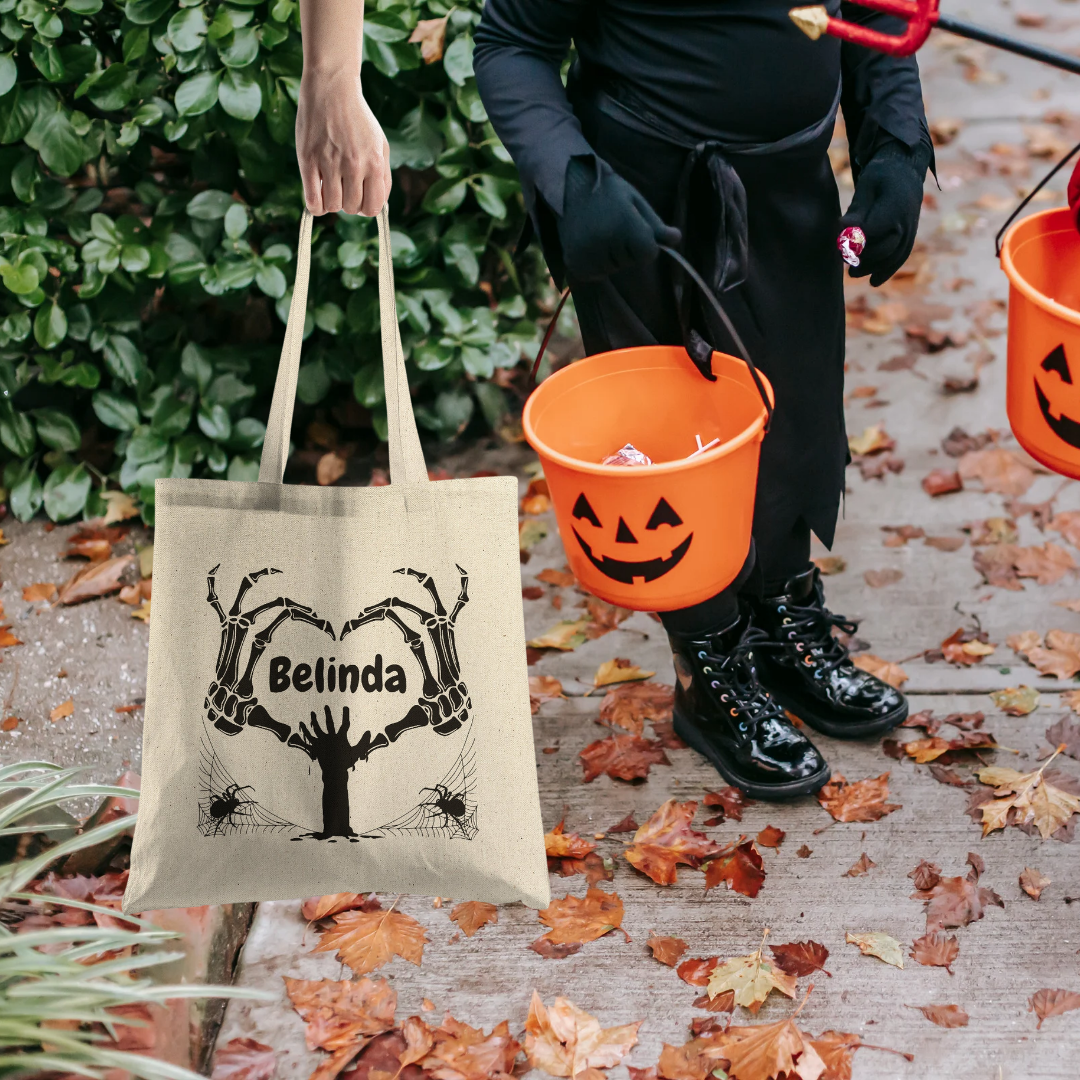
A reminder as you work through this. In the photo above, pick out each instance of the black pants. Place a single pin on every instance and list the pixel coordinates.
(790, 314)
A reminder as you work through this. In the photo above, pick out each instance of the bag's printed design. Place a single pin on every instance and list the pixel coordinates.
(226, 805)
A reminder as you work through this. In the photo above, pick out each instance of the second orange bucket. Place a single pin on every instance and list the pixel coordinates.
(1041, 257)
(651, 537)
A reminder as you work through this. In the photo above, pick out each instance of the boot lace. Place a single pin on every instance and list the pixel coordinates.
(737, 684)
(810, 628)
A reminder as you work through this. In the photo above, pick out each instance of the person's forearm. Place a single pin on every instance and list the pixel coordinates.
(332, 32)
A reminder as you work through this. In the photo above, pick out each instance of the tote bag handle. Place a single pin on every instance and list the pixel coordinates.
(406, 457)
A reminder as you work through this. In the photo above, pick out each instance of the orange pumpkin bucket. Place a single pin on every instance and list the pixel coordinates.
(651, 537)
(1041, 257)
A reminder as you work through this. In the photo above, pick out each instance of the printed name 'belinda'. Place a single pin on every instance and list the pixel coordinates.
(341, 678)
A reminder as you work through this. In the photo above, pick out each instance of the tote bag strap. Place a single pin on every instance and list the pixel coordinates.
(406, 457)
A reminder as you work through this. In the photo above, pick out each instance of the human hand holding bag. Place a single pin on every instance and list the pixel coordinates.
(337, 698)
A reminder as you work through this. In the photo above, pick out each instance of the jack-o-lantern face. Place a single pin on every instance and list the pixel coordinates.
(626, 570)
(1057, 396)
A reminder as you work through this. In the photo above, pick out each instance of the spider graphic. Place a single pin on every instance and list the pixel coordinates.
(450, 807)
(226, 808)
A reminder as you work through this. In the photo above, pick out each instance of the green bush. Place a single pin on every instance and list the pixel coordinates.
(149, 202)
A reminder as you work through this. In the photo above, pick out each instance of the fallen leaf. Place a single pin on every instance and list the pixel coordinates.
(945, 543)
(875, 943)
(697, 972)
(942, 482)
(1047, 563)
(956, 901)
(739, 866)
(1026, 798)
(537, 498)
(10, 723)
(888, 672)
(628, 824)
(142, 612)
(1060, 657)
(752, 978)
(668, 950)
(863, 800)
(622, 757)
(65, 708)
(694, 1060)
(460, 1052)
(619, 670)
(873, 440)
(765, 1051)
(944, 130)
(543, 688)
(926, 750)
(7, 638)
(342, 1017)
(244, 1059)
(561, 578)
(877, 579)
(530, 532)
(830, 564)
(999, 470)
(94, 580)
(560, 845)
(322, 907)
(549, 951)
(804, 852)
(800, 958)
(121, 506)
(365, 940)
(1016, 700)
(861, 866)
(771, 837)
(1046, 1003)
(935, 950)
(566, 1041)
(330, 468)
(574, 920)
(472, 914)
(926, 875)
(992, 530)
(1033, 882)
(630, 705)
(667, 840)
(946, 1016)
(1065, 733)
(564, 636)
(430, 35)
(730, 800)
(965, 647)
(44, 590)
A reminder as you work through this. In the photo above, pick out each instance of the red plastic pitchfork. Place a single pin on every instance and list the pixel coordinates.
(922, 16)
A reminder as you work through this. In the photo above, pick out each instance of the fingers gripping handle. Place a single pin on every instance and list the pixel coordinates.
(406, 456)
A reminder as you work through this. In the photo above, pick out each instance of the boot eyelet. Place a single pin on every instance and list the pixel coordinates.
(819, 674)
(715, 685)
(734, 712)
(742, 727)
(723, 697)
(781, 608)
(799, 645)
(701, 654)
(791, 635)
(707, 670)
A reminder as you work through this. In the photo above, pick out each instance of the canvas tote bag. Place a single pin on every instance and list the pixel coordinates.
(337, 698)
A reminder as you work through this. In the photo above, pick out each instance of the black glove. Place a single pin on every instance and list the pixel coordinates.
(888, 198)
(606, 223)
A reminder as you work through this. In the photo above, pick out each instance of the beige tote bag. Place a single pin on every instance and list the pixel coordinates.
(337, 698)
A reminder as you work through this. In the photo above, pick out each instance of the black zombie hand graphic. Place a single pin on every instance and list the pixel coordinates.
(230, 701)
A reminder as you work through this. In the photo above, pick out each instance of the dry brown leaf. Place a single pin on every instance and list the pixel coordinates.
(537, 498)
(44, 590)
(65, 708)
(565, 636)
(543, 688)
(697, 972)
(999, 470)
(472, 914)
(574, 920)
(94, 580)
(942, 482)
(830, 564)
(873, 440)
(1047, 563)
(244, 1059)
(1046, 1003)
(739, 866)
(1026, 798)
(1033, 882)
(801, 957)
(315, 908)
(730, 801)
(668, 950)
(345, 1014)
(566, 1041)
(945, 543)
(365, 940)
(876, 943)
(121, 506)
(771, 837)
(885, 670)
(330, 468)
(877, 579)
(619, 670)
(7, 638)
(805, 851)
(560, 578)
(956, 901)
(430, 35)
(767, 1051)
(752, 978)
(863, 800)
(935, 950)
(1068, 524)
(460, 1052)
(622, 757)
(1016, 700)
(666, 840)
(946, 1016)
(1065, 733)
(630, 705)
(863, 865)
(562, 845)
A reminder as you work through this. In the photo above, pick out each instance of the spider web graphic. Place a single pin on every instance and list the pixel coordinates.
(427, 819)
(215, 784)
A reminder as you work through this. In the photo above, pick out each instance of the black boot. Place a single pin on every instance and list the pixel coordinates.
(810, 672)
(723, 712)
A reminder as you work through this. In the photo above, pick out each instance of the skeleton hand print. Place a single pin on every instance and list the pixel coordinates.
(230, 703)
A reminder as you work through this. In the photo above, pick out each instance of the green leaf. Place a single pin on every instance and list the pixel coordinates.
(54, 137)
(242, 51)
(57, 430)
(17, 112)
(16, 431)
(84, 375)
(247, 434)
(236, 221)
(21, 280)
(240, 95)
(210, 205)
(271, 281)
(123, 359)
(457, 60)
(417, 142)
(214, 422)
(84, 7)
(187, 28)
(313, 383)
(445, 196)
(487, 195)
(136, 43)
(66, 490)
(146, 12)
(196, 365)
(198, 94)
(8, 72)
(115, 410)
(329, 317)
(368, 388)
(144, 447)
(228, 390)
(26, 496)
(243, 470)
(171, 417)
(384, 26)
(468, 101)
(281, 116)
(112, 88)
(50, 326)
(48, 61)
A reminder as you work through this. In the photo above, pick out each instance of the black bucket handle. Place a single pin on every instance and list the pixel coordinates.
(714, 303)
(1031, 195)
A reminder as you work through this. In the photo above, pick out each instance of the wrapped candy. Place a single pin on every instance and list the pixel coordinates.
(851, 243)
(628, 455)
